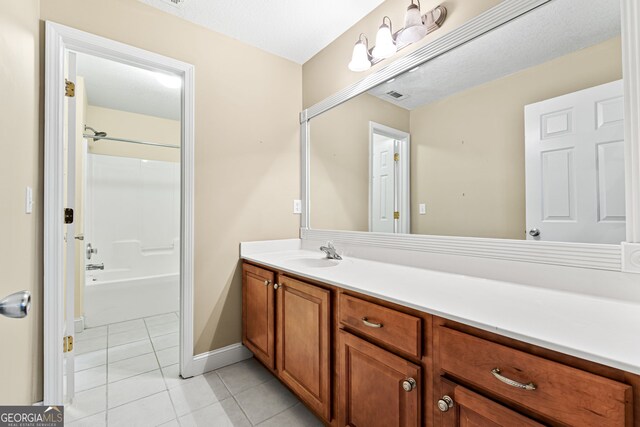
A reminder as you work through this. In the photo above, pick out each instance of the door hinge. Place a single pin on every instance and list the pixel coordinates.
(68, 216)
(69, 88)
(396, 215)
(67, 344)
(396, 157)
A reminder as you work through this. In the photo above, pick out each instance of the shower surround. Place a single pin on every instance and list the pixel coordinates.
(133, 220)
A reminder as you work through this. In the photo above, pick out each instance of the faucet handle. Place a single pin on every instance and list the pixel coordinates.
(330, 245)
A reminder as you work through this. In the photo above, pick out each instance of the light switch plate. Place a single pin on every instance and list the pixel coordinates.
(423, 208)
(28, 200)
(297, 206)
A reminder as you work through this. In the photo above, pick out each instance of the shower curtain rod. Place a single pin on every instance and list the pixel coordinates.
(155, 144)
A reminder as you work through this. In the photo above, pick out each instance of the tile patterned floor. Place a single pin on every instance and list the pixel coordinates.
(127, 375)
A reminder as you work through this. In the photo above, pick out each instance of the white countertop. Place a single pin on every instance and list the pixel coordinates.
(602, 330)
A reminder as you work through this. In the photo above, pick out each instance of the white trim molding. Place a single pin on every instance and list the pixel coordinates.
(219, 358)
(625, 257)
(60, 39)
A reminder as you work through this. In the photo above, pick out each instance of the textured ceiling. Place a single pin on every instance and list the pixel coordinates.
(295, 30)
(123, 87)
(553, 30)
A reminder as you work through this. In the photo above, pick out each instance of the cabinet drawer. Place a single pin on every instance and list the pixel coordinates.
(398, 330)
(558, 392)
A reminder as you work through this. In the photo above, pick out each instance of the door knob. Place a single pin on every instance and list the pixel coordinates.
(409, 384)
(16, 305)
(276, 286)
(445, 403)
(267, 282)
(534, 232)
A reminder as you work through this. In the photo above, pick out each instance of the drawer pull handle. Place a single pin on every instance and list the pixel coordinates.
(371, 324)
(267, 282)
(512, 383)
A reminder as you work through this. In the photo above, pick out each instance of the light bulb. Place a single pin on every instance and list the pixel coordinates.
(360, 58)
(414, 28)
(385, 46)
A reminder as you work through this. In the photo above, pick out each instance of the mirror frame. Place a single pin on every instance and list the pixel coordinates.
(624, 257)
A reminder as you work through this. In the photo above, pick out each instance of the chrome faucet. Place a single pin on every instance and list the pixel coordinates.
(91, 267)
(330, 250)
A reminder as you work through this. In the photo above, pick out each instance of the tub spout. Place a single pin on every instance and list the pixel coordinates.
(91, 267)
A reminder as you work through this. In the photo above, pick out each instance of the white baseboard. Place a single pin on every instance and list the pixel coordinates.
(217, 359)
(78, 324)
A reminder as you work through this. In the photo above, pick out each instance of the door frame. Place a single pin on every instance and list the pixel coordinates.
(60, 38)
(404, 184)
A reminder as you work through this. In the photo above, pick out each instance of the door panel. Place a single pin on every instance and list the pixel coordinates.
(384, 183)
(303, 348)
(69, 230)
(371, 391)
(575, 166)
(258, 313)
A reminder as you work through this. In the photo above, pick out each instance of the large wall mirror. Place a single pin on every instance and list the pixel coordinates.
(517, 134)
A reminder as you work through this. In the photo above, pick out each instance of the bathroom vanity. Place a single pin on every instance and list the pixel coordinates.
(367, 343)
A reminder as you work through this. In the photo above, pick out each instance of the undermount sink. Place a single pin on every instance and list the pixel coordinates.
(310, 262)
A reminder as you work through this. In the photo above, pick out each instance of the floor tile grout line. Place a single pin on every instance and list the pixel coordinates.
(166, 387)
(106, 388)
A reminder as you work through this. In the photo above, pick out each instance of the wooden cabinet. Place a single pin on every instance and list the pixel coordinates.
(461, 407)
(372, 386)
(359, 361)
(303, 349)
(258, 316)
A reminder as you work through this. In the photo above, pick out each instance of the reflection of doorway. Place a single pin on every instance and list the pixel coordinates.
(575, 166)
(388, 179)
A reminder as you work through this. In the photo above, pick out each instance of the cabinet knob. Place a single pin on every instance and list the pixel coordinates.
(267, 282)
(276, 286)
(409, 384)
(445, 403)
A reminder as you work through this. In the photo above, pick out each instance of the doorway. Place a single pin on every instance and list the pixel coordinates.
(118, 216)
(389, 192)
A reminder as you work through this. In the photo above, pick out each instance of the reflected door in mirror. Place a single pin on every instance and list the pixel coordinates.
(575, 167)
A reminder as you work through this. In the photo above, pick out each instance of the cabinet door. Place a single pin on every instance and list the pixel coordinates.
(468, 409)
(258, 327)
(303, 349)
(371, 386)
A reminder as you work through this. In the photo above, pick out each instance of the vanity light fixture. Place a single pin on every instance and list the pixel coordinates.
(414, 27)
(385, 44)
(388, 43)
(360, 59)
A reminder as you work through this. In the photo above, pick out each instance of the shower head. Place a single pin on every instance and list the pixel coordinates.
(95, 133)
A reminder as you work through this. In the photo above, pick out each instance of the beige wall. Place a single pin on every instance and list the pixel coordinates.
(340, 161)
(20, 166)
(467, 150)
(139, 127)
(327, 72)
(247, 104)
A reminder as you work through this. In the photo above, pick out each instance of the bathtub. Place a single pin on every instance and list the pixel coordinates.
(110, 297)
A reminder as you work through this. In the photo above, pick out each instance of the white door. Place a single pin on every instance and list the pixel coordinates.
(575, 167)
(383, 176)
(69, 229)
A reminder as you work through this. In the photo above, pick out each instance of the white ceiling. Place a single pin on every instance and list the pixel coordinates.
(293, 29)
(553, 30)
(110, 84)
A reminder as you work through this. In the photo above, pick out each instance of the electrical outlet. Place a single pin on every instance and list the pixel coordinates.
(423, 208)
(297, 206)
